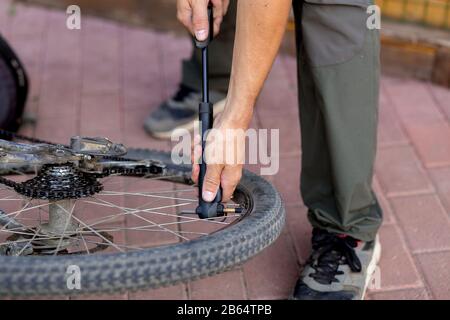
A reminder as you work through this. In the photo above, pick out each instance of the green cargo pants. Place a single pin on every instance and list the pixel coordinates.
(338, 76)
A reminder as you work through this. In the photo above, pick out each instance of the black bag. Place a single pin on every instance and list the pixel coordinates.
(13, 88)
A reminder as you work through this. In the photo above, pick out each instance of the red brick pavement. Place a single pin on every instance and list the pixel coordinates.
(104, 80)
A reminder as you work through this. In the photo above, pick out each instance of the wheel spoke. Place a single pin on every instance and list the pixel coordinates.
(107, 203)
(38, 238)
(9, 199)
(132, 212)
(26, 209)
(150, 195)
(140, 228)
(29, 242)
(117, 246)
(85, 244)
(65, 226)
(126, 211)
(152, 212)
(16, 213)
(98, 234)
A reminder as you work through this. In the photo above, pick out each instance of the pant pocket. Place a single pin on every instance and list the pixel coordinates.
(333, 30)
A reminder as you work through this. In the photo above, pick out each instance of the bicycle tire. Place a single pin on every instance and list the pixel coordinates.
(13, 88)
(154, 267)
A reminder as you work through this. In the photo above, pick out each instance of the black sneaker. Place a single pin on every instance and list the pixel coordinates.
(340, 268)
(181, 111)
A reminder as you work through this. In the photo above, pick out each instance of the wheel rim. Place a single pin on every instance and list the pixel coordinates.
(130, 213)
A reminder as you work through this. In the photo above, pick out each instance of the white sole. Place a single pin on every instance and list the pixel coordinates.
(372, 267)
(166, 135)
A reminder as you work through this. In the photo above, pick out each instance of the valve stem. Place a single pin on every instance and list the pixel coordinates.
(232, 210)
(221, 211)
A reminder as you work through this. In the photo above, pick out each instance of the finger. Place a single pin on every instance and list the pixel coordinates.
(226, 5)
(200, 22)
(195, 173)
(196, 149)
(196, 154)
(229, 181)
(217, 14)
(212, 182)
(184, 14)
(196, 141)
(217, 24)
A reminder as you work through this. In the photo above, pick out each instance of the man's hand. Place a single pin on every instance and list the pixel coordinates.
(259, 30)
(193, 14)
(225, 155)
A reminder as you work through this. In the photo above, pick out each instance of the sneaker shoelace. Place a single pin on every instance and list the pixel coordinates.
(329, 251)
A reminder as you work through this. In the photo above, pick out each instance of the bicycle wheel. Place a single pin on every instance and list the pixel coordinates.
(13, 88)
(131, 235)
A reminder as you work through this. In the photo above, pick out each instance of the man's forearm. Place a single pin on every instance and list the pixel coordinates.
(259, 31)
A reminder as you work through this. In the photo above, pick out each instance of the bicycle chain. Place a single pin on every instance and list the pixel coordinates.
(64, 181)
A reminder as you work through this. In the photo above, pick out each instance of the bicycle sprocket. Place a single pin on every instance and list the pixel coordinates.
(57, 182)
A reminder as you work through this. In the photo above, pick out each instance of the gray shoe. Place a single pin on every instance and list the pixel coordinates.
(340, 268)
(181, 111)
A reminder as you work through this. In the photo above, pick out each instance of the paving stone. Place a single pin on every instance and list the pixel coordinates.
(177, 292)
(287, 180)
(441, 178)
(394, 253)
(4, 16)
(388, 216)
(400, 173)
(300, 230)
(390, 131)
(424, 221)
(432, 142)
(142, 86)
(278, 96)
(437, 273)
(407, 294)
(28, 21)
(288, 132)
(123, 296)
(101, 117)
(102, 54)
(172, 48)
(410, 97)
(226, 286)
(442, 96)
(272, 274)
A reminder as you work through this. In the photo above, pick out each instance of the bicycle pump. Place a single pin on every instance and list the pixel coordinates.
(206, 117)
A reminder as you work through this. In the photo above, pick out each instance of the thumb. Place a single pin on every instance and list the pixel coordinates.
(211, 182)
(200, 22)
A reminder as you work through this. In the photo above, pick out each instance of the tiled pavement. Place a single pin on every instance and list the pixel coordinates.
(105, 79)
